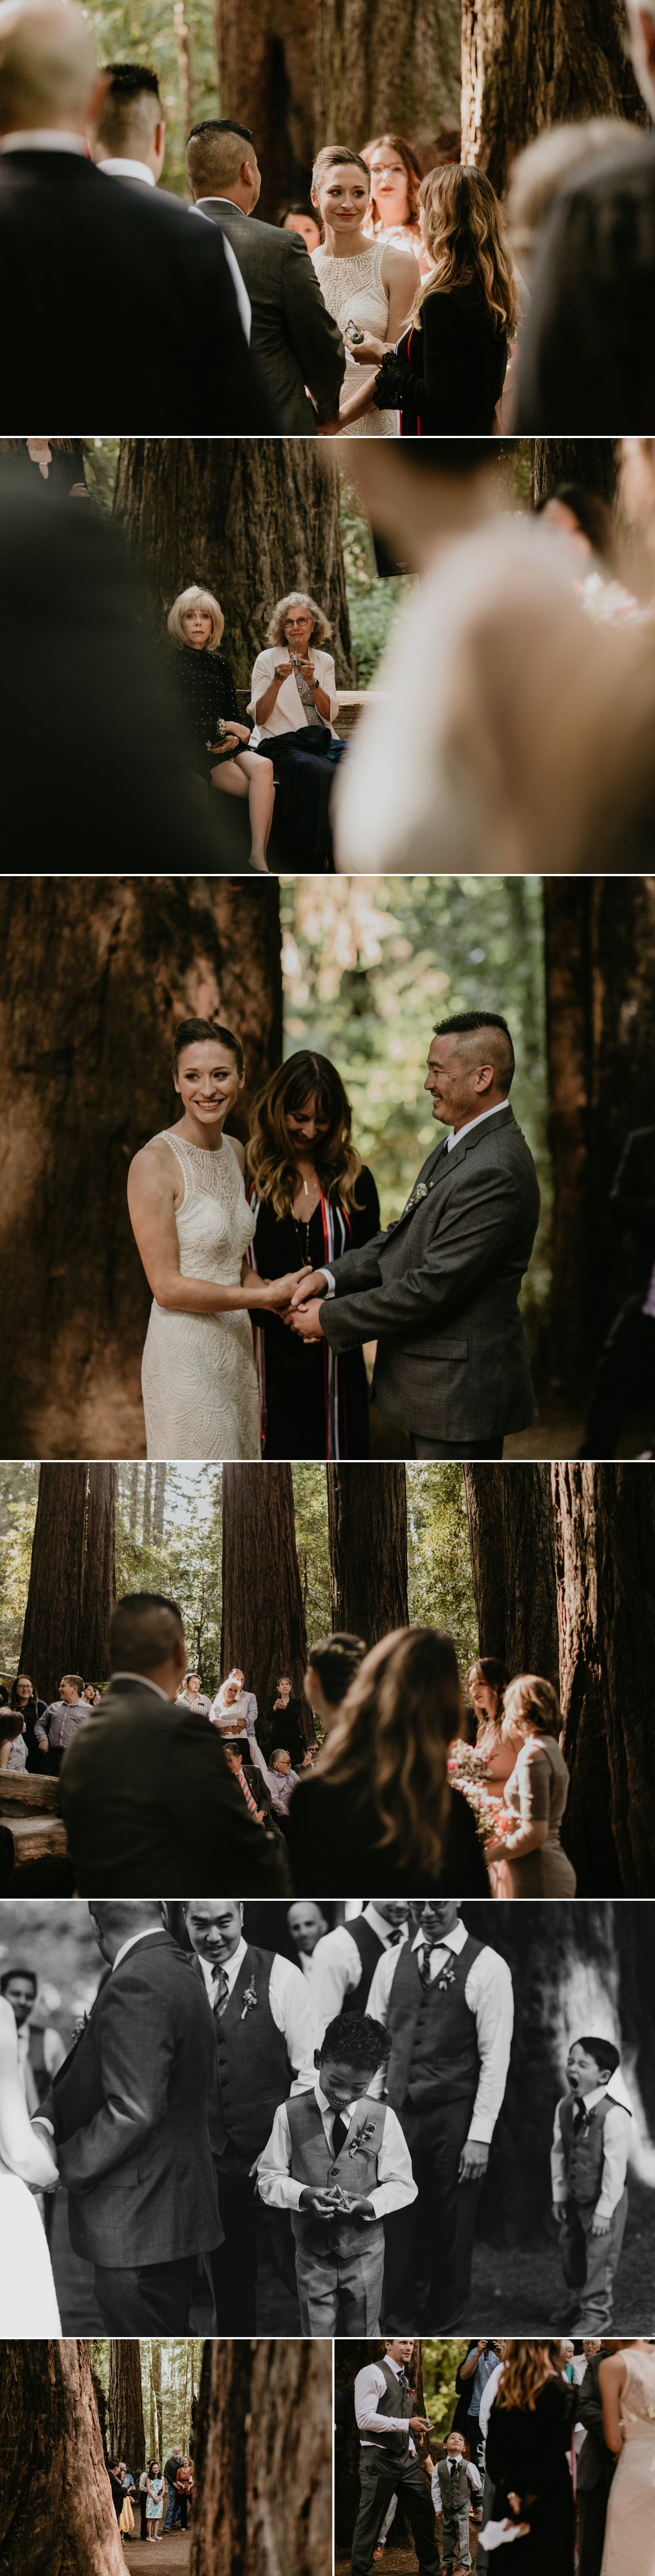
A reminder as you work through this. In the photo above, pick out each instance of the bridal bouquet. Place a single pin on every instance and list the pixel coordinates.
(465, 1763)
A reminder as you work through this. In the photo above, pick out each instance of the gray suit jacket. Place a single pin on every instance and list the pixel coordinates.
(151, 1808)
(293, 336)
(440, 1289)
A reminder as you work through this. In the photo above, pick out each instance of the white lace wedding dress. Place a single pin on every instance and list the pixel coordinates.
(199, 1382)
(28, 2299)
(354, 291)
(629, 2548)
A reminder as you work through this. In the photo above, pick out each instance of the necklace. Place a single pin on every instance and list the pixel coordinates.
(314, 1195)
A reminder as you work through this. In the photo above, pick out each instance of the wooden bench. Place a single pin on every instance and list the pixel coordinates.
(24, 1790)
(34, 1858)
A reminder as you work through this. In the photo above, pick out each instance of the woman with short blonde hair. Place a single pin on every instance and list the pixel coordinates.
(448, 370)
(204, 687)
(294, 703)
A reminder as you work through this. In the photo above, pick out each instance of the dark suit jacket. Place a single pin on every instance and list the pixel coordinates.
(117, 306)
(587, 352)
(632, 1207)
(595, 2460)
(293, 336)
(440, 1289)
(129, 2112)
(151, 1808)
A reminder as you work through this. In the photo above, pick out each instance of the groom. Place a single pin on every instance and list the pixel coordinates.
(440, 1287)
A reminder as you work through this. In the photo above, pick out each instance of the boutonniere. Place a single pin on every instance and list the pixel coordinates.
(445, 1978)
(250, 1999)
(364, 2137)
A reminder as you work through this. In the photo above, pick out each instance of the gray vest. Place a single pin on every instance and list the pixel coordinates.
(396, 2401)
(455, 2495)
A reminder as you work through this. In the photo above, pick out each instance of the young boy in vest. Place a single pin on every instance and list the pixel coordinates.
(338, 2160)
(588, 2164)
(452, 2480)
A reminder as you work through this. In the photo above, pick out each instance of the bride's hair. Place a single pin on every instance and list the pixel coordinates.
(201, 1033)
(270, 1157)
(390, 1742)
(335, 156)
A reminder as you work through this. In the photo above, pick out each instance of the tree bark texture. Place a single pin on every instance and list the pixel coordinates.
(138, 955)
(382, 67)
(263, 2461)
(126, 2425)
(250, 519)
(600, 992)
(512, 1535)
(56, 2511)
(591, 461)
(605, 1546)
(531, 63)
(158, 1507)
(72, 1586)
(349, 2359)
(266, 81)
(263, 1620)
(367, 1525)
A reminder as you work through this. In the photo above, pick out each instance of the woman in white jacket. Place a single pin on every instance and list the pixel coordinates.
(294, 704)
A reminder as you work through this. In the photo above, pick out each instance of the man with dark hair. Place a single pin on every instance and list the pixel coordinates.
(440, 1287)
(146, 1793)
(385, 2409)
(40, 2048)
(130, 142)
(294, 338)
(264, 2033)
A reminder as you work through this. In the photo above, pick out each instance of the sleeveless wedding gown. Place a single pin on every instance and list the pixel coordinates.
(354, 291)
(630, 2527)
(28, 2299)
(198, 1377)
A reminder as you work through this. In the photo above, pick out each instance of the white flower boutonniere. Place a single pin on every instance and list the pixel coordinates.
(365, 2137)
(250, 1999)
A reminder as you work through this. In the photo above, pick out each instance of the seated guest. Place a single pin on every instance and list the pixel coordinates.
(448, 370)
(281, 1780)
(146, 1794)
(379, 1803)
(204, 687)
(333, 1663)
(294, 703)
(338, 2160)
(307, 1924)
(297, 346)
(309, 1188)
(367, 285)
(61, 1720)
(394, 210)
(146, 278)
(300, 218)
(13, 1750)
(254, 1788)
(265, 2036)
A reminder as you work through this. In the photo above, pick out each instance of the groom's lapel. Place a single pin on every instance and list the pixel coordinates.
(421, 1187)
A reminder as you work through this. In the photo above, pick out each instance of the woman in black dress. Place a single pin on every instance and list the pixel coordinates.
(378, 1804)
(24, 1696)
(446, 374)
(311, 1194)
(527, 2457)
(205, 692)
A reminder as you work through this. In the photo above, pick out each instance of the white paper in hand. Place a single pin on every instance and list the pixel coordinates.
(495, 2534)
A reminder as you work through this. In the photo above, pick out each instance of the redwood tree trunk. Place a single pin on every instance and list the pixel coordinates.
(72, 1586)
(600, 987)
(126, 2425)
(263, 1620)
(302, 73)
(511, 1531)
(263, 2461)
(591, 461)
(250, 518)
(122, 962)
(605, 1519)
(367, 1523)
(531, 63)
(56, 2510)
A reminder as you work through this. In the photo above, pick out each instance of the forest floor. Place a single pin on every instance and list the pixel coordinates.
(520, 2289)
(177, 2545)
(399, 2562)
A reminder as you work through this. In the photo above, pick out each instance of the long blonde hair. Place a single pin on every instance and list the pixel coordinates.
(524, 2372)
(465, 238)
(390, 1742)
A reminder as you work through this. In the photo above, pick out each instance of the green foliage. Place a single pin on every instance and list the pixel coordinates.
(127, 33)
(181, 2360)
(373, 605)
(187, 1565)
(19, 1487)
(100, 470)
(441, 2362)
(311, 1517)
(440, 1586)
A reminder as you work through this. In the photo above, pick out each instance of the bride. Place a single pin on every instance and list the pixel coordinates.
(362, 282)
(627, 2386)
(192, 1225)
(28, 2303)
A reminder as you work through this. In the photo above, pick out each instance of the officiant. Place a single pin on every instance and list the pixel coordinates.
(266, 2034)
(440, 1287)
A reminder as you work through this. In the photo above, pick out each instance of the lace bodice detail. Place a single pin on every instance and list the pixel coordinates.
(637, 2405)
(354, 291)
(214, 1223)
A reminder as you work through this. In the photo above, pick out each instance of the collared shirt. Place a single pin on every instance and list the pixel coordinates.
(395, 2187)
(61, 1721)
(281, 1785)
(145, 1683)
(291, 2008)
(441, 2471)
(616, 2143)
(489, 1995)
(369, 2385)
(336, 1968)
(456, 1134)
(147, 1935)
(44, 138)
(127, 170)
(487, 2399)
(241, 291)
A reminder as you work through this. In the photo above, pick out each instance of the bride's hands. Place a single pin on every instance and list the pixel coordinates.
(314, 1284)
(279, 1292)
(366, 350)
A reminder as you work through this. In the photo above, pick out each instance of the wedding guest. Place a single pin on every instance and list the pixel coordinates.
(368, 286)
(627, 2384)
(448, 369)
(294, 705)
(192, 1696)
(143, 2500)
(574, 511)
(57, 469)
(333, 1663)
(589, 2156)
(385, 2410)
(130, 252)
(528, 2446)
(312, 1197)
(486, 1682)
(530, 1857)
(393, 213)
(154, 2493)
(284, 1723)
(13, 1751)
(184, 2486)
(173, 2507)
(62, 1717)
(235, 1708)
(293, 337)
(264, 2035)
(307, 1924)
(91, 1695)
(344, 1960)
(453, 2480)
(447, 2000)
(126, 2516)
(480, 2365)
(555, 157)
(282, 1780)
(129, 138)
(300, 218)
(338, 2160)
(204, 687)
(254, 1788)
(379, 1803)
(596, 2462)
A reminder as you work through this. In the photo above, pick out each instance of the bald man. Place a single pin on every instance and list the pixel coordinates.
(108, 290)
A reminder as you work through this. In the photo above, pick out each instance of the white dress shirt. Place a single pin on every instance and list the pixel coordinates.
(291, 2009)
(441, 2470)
(337, 1968)
(456, 1134)
(489, 1995)
(616, 2145)
(241, 292)
(489, 2392)
(44, 138)
(395, 2187)
(127, 170)
(369, 2385)
(144, 1682)
(288, 715)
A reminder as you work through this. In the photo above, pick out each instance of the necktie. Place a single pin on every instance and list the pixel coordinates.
(243, 1784)
(397, 1935)
(402, 2381)
(221, 1994)
(579, 2117)
(340, 2129)
(424, 1964)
